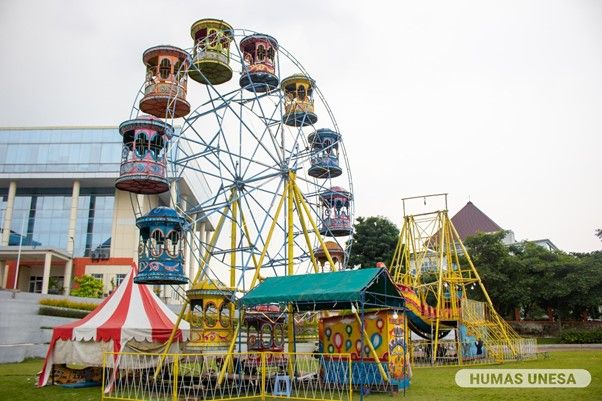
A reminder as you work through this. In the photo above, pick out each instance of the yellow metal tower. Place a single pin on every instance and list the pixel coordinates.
(437, 277)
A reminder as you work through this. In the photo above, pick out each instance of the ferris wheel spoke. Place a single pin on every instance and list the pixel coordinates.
(199, 170)
(268, 131)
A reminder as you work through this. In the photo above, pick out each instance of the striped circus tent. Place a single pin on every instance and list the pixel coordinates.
(131, 319)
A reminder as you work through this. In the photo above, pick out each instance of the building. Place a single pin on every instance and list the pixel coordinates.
(470, 220)
(60, 214)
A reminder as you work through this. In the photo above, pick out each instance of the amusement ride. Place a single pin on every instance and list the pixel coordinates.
(262, 148)
(273, 171)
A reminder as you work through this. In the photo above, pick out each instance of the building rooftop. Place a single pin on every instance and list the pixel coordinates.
(470, 220)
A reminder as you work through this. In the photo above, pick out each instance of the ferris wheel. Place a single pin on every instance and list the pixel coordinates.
(257, 140)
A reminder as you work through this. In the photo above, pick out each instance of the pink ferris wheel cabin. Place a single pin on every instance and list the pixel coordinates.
(166, 82)
(336, 211)
(259, 63)
(143, 158)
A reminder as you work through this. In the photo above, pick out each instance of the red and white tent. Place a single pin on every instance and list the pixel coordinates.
(132, 314)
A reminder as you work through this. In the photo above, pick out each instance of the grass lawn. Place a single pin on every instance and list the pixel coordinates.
(17, 383)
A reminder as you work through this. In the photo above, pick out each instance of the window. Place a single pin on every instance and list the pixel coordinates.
(301, 93)
(266, 335)
(179, 71)
(142, 249)
(252, 337)
(141, 144)
(119, 278)
(279, 335)
(150, 74)
(156, 243)
(196, 317)
(260, 53)
(164, 68)
(156, 145)
(35, 284)
(171, 243)
(271, 54)
(225, 320)
(98, 276)
(212, 38)
(211, 314)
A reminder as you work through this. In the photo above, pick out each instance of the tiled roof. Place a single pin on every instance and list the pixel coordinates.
(471, 220)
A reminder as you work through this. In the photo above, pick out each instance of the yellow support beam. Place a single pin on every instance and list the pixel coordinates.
(313, 225)
(204, 262)
(269, 237)
(372, 350)
(228, 360)
(312, 256)
(290, 239)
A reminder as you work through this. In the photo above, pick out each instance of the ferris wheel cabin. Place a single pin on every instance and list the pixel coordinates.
(143, 159)
(324, 153)
(298, 101)
(160, 257)
(336, 207)
(334, 249)
(211, 54)
(259, 63)
(166, 81)
(211, 319)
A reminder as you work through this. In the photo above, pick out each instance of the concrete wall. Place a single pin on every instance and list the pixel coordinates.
(124, 240)
(24, 333)
(108, 273)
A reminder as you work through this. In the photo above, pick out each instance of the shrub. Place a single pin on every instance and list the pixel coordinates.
(65, 303)
(89, 287)
(62, 312)
(581, 336)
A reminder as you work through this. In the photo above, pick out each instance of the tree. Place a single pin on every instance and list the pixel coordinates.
(374, 241)
(88, 287)
(528, 277)
(599, 233)
(506, 282)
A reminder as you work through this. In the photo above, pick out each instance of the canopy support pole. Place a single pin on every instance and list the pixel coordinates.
(366, 337)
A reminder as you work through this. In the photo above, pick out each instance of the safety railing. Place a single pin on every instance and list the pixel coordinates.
(452, 353)
(304, 376)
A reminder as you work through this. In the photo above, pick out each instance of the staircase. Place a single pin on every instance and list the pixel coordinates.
(24, 333)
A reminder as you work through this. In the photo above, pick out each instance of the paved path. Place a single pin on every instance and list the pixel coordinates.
(568, 347)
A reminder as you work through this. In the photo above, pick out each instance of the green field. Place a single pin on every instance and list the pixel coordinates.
(17, 383)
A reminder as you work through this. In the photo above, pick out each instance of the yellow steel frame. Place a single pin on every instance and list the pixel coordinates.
(415, 244)
(295, 203)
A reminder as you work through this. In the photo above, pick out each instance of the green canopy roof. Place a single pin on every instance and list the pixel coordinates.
(323, 291)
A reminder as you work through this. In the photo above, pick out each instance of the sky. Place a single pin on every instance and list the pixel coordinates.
(497, 102)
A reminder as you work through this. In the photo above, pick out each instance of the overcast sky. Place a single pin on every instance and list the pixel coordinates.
(496, 102)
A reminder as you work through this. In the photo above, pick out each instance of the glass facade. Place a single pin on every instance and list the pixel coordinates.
(60, 150)
(41, 217)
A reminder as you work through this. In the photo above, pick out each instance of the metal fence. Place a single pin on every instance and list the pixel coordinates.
(452, 353)
(304, 376)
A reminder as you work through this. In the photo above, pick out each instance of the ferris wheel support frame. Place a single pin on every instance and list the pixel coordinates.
(295, 202)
